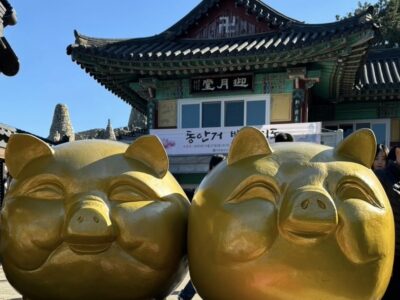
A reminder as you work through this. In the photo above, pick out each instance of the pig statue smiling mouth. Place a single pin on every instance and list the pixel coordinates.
(296, 221)
(92, 220)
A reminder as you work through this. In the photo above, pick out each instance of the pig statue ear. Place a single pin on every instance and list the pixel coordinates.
(359, 147)
(248, 142)
(22, 149)
(150, 151)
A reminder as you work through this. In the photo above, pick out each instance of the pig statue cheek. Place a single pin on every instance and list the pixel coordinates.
(359, 241)
(249, 230)
(147, 243)
(38, 234)
(92, 220)
(299, 221)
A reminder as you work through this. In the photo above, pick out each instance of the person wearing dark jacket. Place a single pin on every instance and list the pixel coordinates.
(284, 137)
(390, 180)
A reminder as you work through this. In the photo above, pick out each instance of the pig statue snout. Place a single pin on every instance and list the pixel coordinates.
(88, 225)
(308, 213)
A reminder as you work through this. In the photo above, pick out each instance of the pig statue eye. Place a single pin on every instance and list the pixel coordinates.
(127, 193)
(257, 191)
(352, 190)
(47, 191)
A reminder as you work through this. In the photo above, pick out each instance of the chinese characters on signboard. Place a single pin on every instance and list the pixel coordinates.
(222, 84)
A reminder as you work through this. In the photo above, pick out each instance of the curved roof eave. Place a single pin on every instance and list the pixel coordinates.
(87, 41)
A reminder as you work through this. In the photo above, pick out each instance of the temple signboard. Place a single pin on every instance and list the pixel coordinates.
(206, 141)
(227, 83)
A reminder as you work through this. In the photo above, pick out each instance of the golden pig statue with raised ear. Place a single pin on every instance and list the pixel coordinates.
(92, 220)
(299, 221)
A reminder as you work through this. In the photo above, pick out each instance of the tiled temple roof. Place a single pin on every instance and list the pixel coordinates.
(382, 68)
(379, 76)
(117, 63)
(6, 131)
(9, 64)
(296, 36)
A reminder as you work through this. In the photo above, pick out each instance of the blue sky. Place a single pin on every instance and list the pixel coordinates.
(48, 76)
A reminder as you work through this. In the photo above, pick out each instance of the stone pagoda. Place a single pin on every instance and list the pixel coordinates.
(109, 132)
(61, 127)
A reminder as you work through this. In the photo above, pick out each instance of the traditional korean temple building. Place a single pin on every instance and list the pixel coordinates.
(373, 103)
(9, 64)
(240, 62)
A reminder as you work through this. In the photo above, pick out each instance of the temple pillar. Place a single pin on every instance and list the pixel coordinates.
(301, 86)
(148, 87)
(151, 112)
(308, 84)
(298, 101)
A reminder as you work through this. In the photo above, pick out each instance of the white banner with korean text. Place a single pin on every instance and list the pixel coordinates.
(203, 141)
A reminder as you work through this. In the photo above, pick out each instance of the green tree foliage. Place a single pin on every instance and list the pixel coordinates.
(387, 15)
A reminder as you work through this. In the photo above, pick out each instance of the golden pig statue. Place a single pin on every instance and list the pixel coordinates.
(92, 220)
(299, 221)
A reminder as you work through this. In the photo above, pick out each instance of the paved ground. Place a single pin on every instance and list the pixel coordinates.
(8, 293)
(6, 290)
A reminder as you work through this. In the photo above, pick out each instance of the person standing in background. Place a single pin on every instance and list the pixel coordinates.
(214, 161)
(390, 180)
(381, 157)
(284, 137)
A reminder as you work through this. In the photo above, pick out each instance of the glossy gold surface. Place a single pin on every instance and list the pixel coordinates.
(92, 220)
(299, 221)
